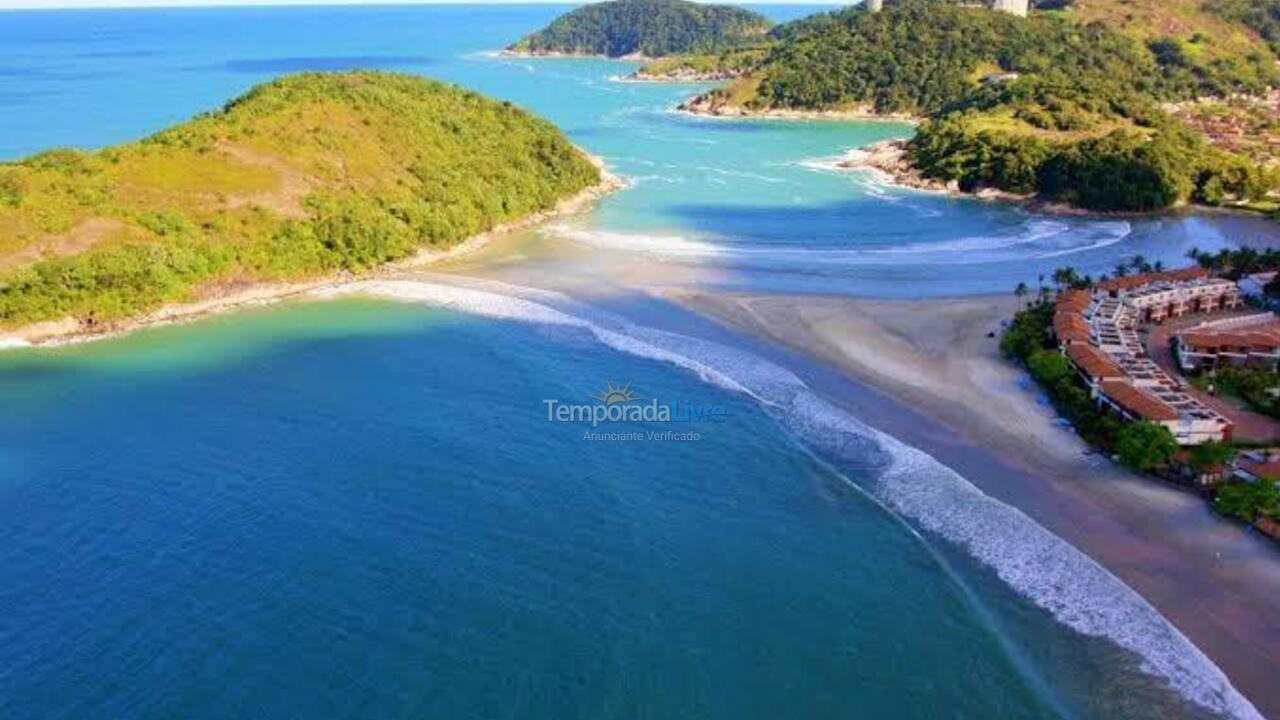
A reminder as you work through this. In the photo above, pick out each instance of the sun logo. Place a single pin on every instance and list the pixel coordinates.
(612, 395)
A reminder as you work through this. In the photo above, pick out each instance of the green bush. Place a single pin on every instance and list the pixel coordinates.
(1145, 445)
(1249, 500)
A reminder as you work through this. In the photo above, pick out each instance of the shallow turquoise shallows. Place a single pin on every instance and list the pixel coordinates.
(359, 509)
(758, 200)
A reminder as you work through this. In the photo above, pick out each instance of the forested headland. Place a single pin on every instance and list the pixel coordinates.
(306, 175)
(1070, 104)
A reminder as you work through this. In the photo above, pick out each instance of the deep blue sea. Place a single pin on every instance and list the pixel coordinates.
(359, 508)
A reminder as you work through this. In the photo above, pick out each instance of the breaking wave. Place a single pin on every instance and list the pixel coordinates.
(1032, 240)
(1034, 562)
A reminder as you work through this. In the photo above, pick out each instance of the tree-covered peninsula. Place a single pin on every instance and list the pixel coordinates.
(647, 28)
(1071, 105)
(300, 177)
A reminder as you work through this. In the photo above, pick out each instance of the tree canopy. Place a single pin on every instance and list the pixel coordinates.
(652, 28)
(1049, 104)
(308, 174)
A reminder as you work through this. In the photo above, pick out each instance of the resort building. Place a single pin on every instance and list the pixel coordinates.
(1156, 297)
(1013, 7)
(1097, 329)
(1258, 465)
(1253, 340)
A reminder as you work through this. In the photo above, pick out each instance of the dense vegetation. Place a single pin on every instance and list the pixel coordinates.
(1047, 104)
(652, 28)
(1252, 386)
(1026, 340)
(1262, 16)
(1249, 501)
(307, 174)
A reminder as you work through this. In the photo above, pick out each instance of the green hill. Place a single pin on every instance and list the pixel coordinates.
(1005, 96)
(649, 28)
(1257, 16)
(305, 175)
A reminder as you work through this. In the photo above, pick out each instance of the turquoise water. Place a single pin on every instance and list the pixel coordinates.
(755, 200)
(359, 509)
(292, 513)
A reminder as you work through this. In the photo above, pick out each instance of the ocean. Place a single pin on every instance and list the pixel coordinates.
(368, 508)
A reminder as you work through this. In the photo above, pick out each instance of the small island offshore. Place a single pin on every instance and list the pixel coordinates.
(645, 29)
(1093, 104)
(309, 176)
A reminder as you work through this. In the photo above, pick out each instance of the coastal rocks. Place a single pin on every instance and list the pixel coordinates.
(890, 158)
(686, 75)
(715, 103)
(711, 103)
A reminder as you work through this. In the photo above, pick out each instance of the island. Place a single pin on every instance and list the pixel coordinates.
(311, 175)
(645, 29)
(1102, 105)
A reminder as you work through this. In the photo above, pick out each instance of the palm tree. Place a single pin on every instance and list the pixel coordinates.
(1121, 270)
(1137, 262)
(1065, 277)
(1157, 266)
(1020, 292)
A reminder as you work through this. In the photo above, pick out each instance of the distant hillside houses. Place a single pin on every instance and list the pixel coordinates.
(1013, 7)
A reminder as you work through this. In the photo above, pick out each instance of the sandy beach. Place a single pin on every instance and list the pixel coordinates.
(946, 389)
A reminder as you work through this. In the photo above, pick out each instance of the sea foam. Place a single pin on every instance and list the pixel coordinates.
(1032, 239)
(1034, 562)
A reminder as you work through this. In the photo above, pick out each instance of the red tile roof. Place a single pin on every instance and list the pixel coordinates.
(1209, 342)
(1269, 469)
(1070, 327)
(1074, 301)
(1133, 281)
(1138, 402)
(1093, 362)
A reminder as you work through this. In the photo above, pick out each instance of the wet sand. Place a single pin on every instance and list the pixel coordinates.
(935, 380)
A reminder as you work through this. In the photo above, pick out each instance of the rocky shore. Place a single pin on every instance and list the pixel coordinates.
(686, 75)
(889, 158)
(715, 104)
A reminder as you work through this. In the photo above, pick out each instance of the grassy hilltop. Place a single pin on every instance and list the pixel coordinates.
(305, 175)
(651, 28)
(1070, 103)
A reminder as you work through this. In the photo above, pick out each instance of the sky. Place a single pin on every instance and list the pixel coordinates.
(52, 4)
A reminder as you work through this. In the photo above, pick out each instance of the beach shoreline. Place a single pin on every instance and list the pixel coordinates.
(945, 389)
(558, 54)
(233, 296)
(698, 106)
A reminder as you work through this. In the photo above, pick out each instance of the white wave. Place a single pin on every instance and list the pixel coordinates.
(740, 174)
(1034, 562)
(1035, 238)
(1110, 234)
(670, 246)
(1033, 232)
(668, 179)
(13, 343)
